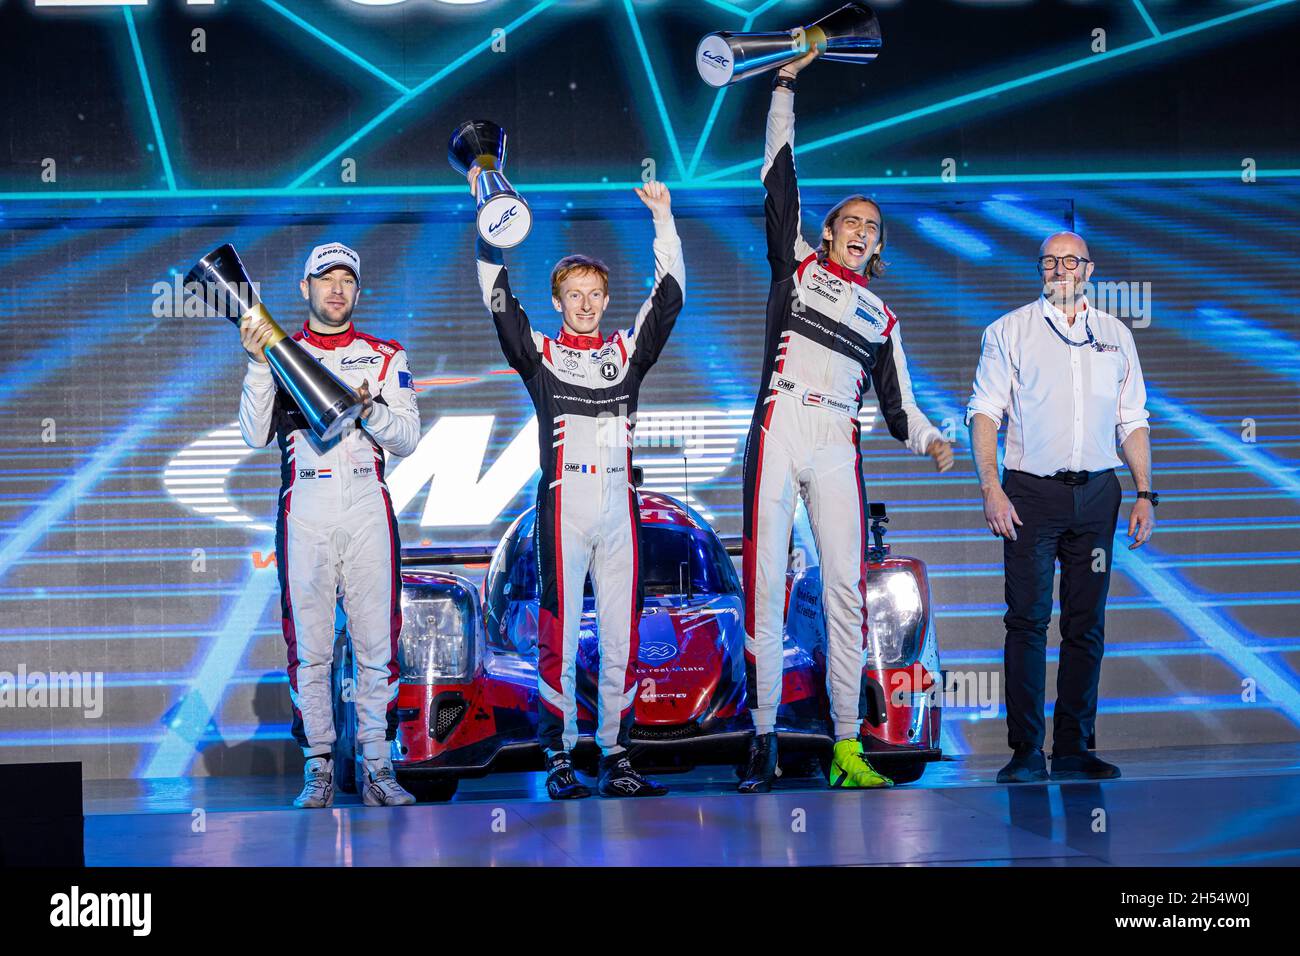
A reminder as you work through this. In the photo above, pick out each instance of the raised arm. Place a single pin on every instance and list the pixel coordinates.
(786, 247)
(655, 320)
(519, 342)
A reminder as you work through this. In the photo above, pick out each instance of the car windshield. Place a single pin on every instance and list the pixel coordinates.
(685, 561)
(674, 560)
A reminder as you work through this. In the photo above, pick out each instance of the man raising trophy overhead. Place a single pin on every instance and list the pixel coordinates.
(585, 387)
(828, 340)
(335, 528)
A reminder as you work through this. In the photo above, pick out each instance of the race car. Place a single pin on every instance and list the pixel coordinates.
(467, 701)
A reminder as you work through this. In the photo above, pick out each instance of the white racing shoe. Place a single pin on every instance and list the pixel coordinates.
(380, 787)
(318, 784)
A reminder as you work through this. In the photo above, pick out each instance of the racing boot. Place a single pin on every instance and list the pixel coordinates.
(761, 771)
(619, 779)
(318, 784)
(379, 786)
(850, 769)
(561, 782)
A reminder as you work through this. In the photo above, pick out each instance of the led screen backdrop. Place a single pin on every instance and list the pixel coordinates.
(136, 525)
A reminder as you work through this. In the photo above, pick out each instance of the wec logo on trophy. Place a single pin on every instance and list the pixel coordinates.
(505, 219)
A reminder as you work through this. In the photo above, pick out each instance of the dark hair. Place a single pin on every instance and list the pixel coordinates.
(876, 264)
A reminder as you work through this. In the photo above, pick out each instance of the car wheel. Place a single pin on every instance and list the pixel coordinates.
(426, 790)
(342, 682)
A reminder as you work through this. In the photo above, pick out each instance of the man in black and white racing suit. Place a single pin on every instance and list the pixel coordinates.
(828, 340)
(335, 527)
(585, 388)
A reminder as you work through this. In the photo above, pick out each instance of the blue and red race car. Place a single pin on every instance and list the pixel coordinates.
(467, 702)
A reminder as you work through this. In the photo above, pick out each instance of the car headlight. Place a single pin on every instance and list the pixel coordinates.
(893, 617)
(437, 638)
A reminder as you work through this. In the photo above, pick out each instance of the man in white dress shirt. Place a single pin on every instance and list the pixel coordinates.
(1066, 376)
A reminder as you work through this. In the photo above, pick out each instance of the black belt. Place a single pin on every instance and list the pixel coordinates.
(1069, 477)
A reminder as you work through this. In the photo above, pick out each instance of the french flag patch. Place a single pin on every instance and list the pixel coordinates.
(404, 380)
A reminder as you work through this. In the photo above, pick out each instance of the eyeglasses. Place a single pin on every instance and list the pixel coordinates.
(1048, 263)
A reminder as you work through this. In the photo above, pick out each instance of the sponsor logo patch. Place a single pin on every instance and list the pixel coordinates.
(656, 652)
(871, 315)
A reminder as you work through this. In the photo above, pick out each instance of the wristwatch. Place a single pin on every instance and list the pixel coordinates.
(1150, 496)
(781, 80)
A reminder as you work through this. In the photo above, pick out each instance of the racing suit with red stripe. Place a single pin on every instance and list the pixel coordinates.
(828, 340)
(585, 390)
(336, 533)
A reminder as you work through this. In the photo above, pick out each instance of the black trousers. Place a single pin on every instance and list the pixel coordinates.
(1073, 524)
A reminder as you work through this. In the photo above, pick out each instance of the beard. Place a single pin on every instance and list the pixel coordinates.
(325, 319)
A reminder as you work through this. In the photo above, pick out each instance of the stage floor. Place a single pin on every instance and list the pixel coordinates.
(1173, 807)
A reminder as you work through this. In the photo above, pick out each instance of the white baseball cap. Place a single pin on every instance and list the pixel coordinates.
(331, 254)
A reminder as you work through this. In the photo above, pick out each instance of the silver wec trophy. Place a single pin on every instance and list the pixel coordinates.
(504, 219)
(850, 34)
(328, 404)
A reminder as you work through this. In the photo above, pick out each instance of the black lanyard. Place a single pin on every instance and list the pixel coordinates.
(1087, 331)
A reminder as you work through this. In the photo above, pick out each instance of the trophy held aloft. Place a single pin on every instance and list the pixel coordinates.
(850, 34)
(504, 219)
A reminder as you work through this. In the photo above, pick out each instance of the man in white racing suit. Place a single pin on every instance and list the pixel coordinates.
(828, 341)
(336, 532)
(585, 388)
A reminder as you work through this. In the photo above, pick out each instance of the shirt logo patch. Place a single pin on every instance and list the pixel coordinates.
(873, 317)
(404, 380)
(609, 371)
(575, 468)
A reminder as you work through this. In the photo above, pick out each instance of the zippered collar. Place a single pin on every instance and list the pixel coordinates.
(583, 342)
(329, 340)
(834, 268)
